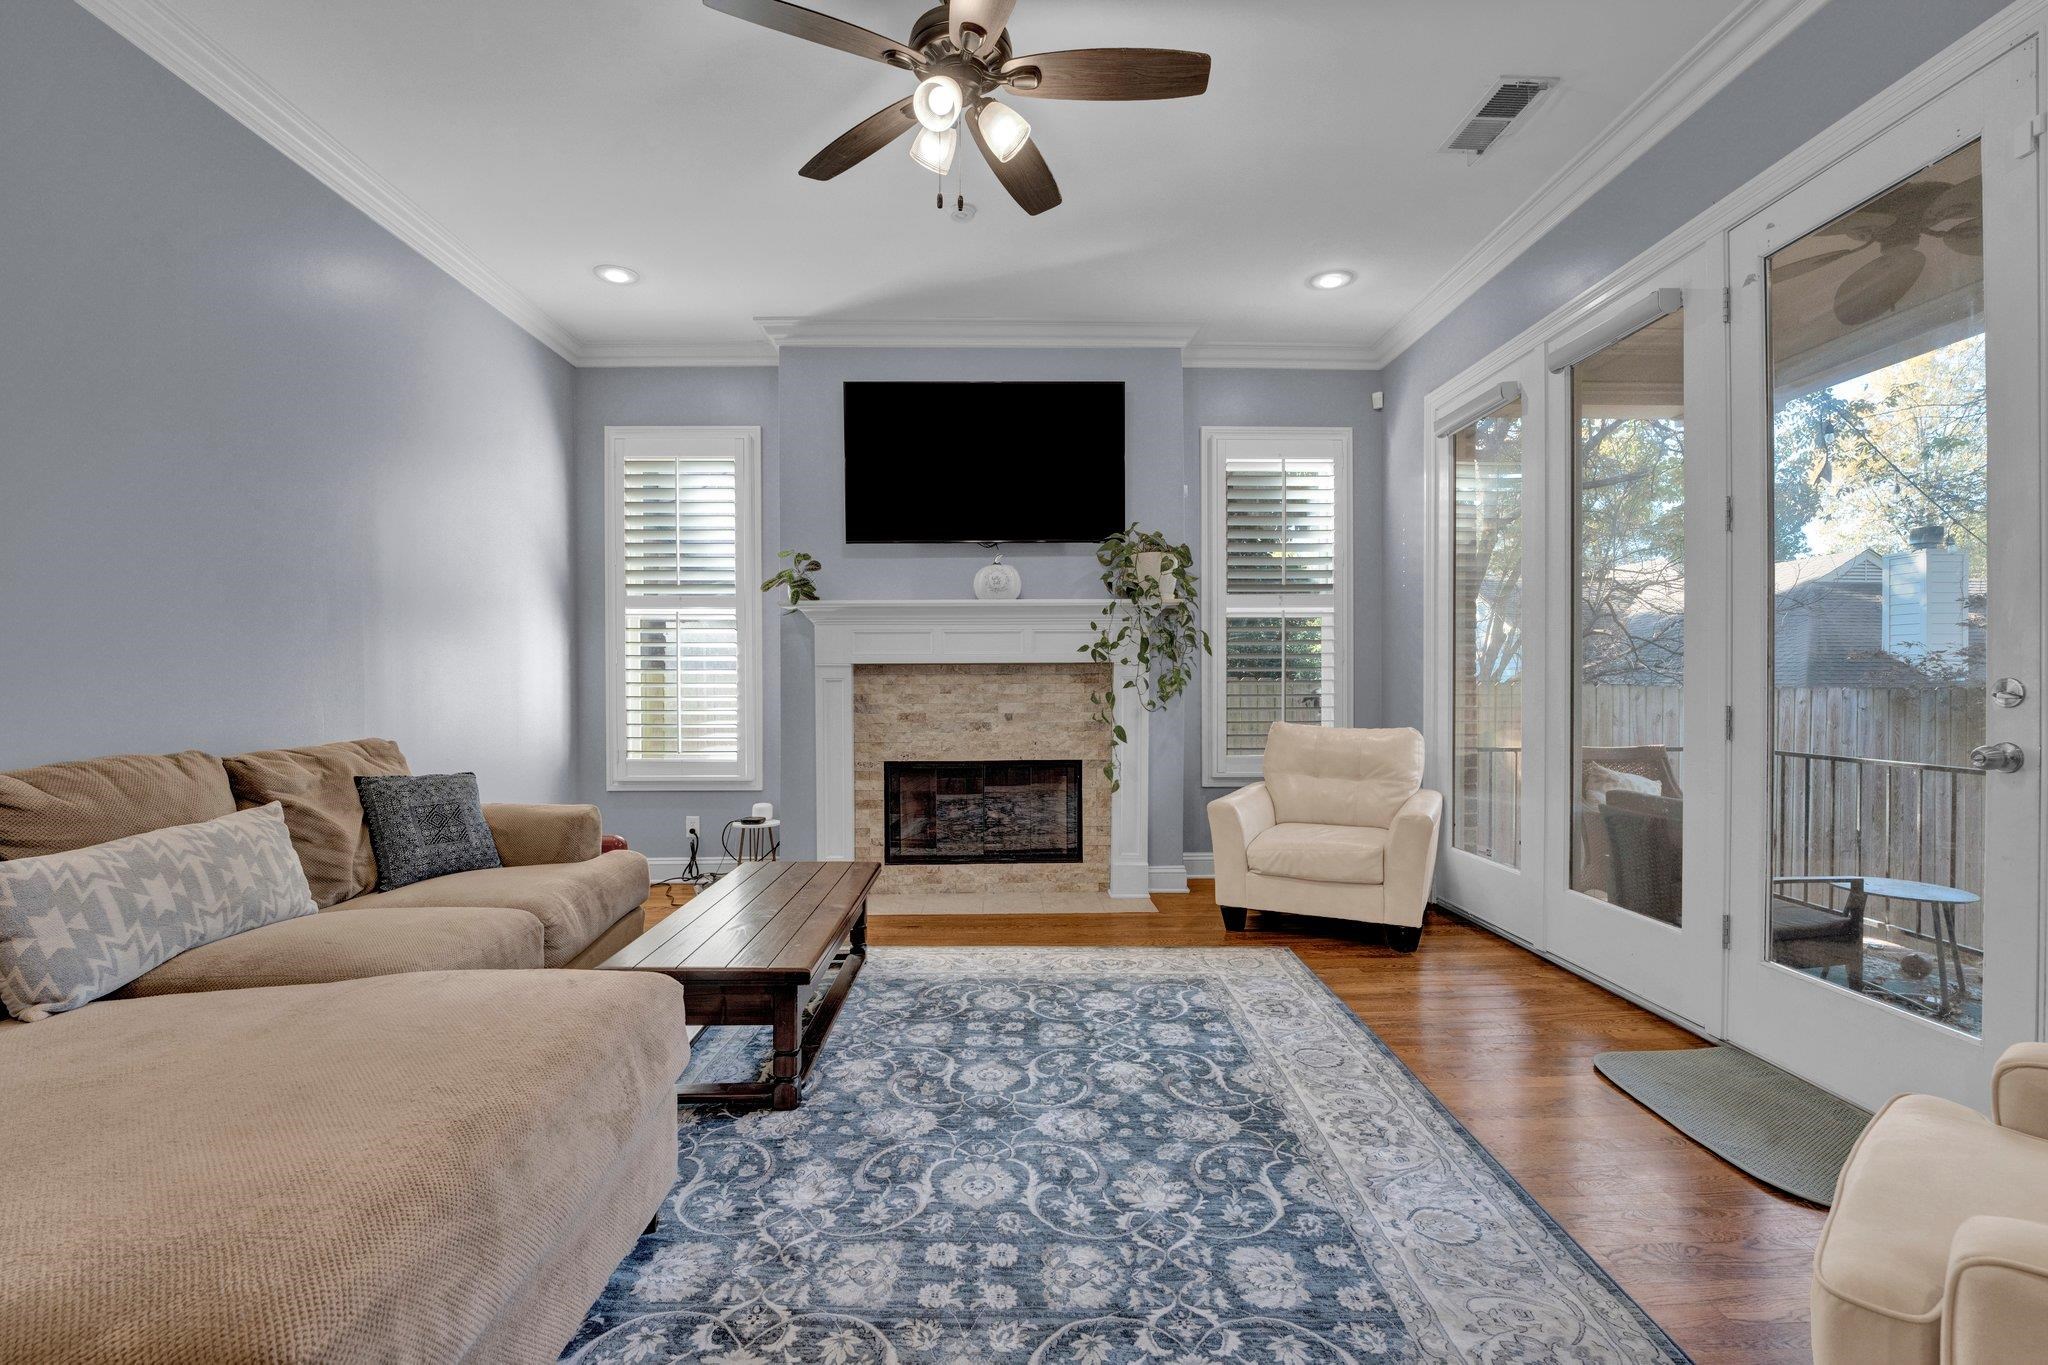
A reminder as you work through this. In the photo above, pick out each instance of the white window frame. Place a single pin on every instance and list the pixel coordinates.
(623, 774)
(1217, 770)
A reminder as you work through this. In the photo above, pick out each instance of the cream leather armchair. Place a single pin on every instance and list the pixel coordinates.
(1936, 1249)
(1340, 828)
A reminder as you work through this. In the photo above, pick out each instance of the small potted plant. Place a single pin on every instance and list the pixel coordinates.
(1151, 627)
(796, 577)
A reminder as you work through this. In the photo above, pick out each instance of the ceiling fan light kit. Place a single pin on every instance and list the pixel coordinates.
(934, 150)
(961, 54)
(1003, 130)
(937, 103)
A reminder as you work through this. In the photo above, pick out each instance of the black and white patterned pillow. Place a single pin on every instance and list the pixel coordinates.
(423, 827)
(76, 925)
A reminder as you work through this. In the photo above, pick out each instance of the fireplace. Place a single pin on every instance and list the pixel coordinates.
(1004, 812)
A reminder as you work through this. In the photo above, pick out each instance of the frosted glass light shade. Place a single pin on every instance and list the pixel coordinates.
(937, 102)
(1004, 130)
(934, 150)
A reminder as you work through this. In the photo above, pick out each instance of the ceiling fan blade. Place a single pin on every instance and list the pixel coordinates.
(990, 16)
(814, 27)
(1110, 73)
(1795, 269)
(861, 141)
(1025, 175)
(1875, 289)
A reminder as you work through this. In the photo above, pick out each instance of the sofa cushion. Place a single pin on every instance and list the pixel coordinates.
(1320, 775)
(528, 834)
(74, 926)
(423, 827)
(1921, 1167)
(333, 946)
(1352, 854)
(574, 902)
(376, 1170)
(317, 788)
(62, 806)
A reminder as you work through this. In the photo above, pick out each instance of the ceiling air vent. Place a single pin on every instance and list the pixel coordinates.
(1510, 100)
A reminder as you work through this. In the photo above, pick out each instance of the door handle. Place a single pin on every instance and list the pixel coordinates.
(2003, 757)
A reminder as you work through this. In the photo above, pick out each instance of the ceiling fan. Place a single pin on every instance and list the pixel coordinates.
(960, 52)
(1898, 224)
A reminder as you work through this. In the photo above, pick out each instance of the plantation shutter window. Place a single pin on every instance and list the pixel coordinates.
(685, 631)
(1276, 530)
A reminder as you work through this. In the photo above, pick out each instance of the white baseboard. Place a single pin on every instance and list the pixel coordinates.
(1171, 878)
(667, 869)
(1201, 865)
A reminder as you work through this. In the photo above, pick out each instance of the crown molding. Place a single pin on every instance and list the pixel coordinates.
(195, 59)
(969, 332)
(199, 62)
(1263, 355)
(604, 355)
(1728, 50)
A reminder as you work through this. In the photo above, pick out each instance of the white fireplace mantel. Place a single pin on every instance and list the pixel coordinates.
(1026, 631)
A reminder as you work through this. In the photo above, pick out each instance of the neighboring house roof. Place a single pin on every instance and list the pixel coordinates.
(1830, 622)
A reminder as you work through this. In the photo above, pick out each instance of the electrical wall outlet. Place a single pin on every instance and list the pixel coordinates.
(690, 824)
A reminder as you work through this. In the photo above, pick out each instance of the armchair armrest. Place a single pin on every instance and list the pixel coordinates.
(1995, 1306)
(527, 835)
(1234, 821)
(1411, 856)
(2019, 1089)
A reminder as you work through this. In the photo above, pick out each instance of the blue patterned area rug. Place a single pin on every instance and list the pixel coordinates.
(1100, 1157)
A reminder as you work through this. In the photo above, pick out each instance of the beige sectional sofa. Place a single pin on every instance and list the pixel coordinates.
(377, 1133)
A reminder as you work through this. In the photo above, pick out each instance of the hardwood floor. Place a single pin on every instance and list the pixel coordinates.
(1506, 1040)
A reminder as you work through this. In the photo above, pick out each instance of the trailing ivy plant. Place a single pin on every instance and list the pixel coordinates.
(796, 577)
(1155, 636)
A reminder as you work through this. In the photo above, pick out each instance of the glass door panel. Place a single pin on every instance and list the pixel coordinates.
(1637, 815)
(1487, 671)
(1881, 596)
(1628, 664)
(1886, 846)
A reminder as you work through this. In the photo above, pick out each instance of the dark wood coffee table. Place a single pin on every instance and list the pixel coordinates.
(756, 948)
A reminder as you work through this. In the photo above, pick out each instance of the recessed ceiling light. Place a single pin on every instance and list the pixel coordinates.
(615, 274)
(1331, 279)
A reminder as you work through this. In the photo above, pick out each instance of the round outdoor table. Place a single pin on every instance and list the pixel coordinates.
(1944, 899)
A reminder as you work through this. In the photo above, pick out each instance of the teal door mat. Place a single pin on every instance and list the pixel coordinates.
(1791, 1135)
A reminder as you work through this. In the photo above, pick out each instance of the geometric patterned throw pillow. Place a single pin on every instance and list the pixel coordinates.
(423, 827)
(74, 926)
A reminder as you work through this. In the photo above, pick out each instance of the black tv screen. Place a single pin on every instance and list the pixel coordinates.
(983, 462)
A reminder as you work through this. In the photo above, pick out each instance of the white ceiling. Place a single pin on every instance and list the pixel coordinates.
(545, 136)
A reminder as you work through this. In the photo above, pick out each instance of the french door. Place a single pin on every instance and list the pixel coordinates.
(1886, 836)
(1637, 661)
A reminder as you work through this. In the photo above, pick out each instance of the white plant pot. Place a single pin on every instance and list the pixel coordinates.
(1155, 571)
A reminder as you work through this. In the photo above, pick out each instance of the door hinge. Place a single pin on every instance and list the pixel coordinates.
(2028, 136)
(1727, 303)
(1727, 932)
(1729, 520)
(1728, 722)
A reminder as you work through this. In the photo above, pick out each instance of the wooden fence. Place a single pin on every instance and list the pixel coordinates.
(1863, 780)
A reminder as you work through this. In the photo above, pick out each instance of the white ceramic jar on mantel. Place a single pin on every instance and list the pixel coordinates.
(998, 582)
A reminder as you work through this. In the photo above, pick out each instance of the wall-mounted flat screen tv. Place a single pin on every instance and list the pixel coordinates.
(940, 462)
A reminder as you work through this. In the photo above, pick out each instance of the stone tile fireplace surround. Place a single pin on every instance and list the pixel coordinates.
(981, 713)
(954, 680)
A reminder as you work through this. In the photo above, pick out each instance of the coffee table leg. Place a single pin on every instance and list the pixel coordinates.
(789, 1046)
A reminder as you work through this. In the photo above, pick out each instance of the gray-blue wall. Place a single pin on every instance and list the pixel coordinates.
(1846, 53)
(708, 396)
(266, 475)
(1302, 398)
(799, 410)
